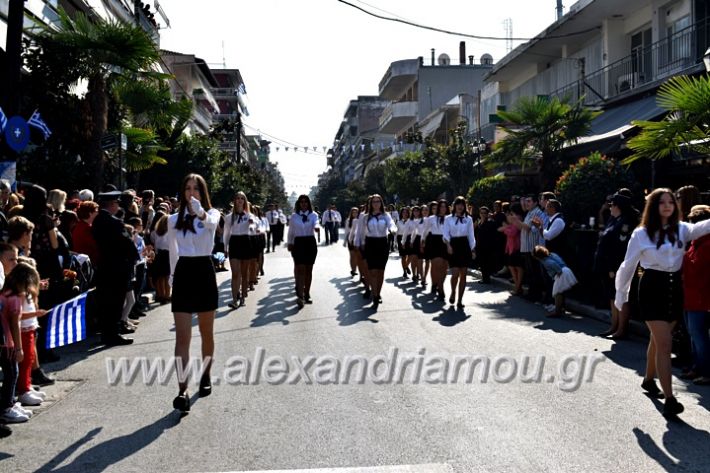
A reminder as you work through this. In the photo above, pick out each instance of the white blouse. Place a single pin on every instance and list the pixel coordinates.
(234, 224)
(433, 225)
(400, 227)
(298, 228)
(160, 242)
(375, 227)
(668, 258)
(186, 243)
(351, 229)
(409, 229)
(422, 226)
(455, 227)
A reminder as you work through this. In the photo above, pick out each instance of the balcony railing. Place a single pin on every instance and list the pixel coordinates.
(224, 93)
(673, 55)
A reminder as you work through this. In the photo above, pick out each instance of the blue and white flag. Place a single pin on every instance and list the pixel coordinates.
(3, 120)
(37, 122)
(66, 323)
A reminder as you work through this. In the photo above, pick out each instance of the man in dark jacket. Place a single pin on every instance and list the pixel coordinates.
(117, 257)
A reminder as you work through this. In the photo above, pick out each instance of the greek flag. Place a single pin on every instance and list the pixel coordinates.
(37, 122)
(3, 120)
(66, 323)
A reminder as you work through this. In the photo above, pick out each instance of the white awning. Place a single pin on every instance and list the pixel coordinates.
(430, 127)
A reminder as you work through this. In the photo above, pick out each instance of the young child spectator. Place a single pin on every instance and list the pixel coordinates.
(563, 277)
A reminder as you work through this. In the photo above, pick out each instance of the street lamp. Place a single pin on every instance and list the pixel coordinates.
(706, 60)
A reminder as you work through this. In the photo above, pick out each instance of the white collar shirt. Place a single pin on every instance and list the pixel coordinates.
(298, 228)
(457, 227)
(188, 244)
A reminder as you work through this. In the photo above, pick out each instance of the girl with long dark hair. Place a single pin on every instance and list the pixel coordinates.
(301, 239)
(191, 239)
(460, 244)
(238, 229)
(658, 245)
(419, 226)
(402, 227)
(349, 226)
(435, 248)
(373, 239)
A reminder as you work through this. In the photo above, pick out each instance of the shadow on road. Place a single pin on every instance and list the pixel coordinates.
(278, 304)
(686, 444)
(112, 451)
(353, 308)
(451, 317)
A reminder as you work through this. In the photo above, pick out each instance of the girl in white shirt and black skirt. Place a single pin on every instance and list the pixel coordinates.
(303, 247)
(191, 239)
(658, 245)
(238, 229)
(435, 248)
(376, 226)
(461, 243)
(402, 241)
(350, 225)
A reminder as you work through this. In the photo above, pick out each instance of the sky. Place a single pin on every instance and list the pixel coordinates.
(303, 60)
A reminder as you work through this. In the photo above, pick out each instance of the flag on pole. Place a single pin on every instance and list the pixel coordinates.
(37, 122)
(3, 120)
(66, 323)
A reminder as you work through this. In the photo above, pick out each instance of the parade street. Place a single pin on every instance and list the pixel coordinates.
(605, 424)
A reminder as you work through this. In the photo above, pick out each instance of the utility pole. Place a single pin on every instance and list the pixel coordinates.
(238, 128)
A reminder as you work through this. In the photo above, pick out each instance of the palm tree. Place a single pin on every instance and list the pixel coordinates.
(105, 49)
(687, 126)
(538, 128)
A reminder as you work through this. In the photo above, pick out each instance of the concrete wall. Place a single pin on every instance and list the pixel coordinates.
(439, 84)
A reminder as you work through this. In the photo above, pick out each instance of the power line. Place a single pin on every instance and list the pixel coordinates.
(285, 143)
(466, 35)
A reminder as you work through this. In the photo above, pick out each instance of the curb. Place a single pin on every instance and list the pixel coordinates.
(635, 327)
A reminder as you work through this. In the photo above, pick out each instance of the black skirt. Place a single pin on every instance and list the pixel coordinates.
(461, 257)
(161, 264)
(259, 243)
(376, 252)
(400, 246)
(305, 250)
(241, 247)
(661, 296)
(515, 260)
(194, 285)
(434, 247)
(415, 249)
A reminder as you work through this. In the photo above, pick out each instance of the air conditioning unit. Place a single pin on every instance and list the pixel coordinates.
(627, 81)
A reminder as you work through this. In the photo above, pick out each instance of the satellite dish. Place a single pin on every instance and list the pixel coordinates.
(487, 59)
(444, 60)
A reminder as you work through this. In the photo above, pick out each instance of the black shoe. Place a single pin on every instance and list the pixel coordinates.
(5, 431)
(261, 272)
(205, 385)
(126, 329)
(137, 313)
(606, 333)
(307, 299)
(405, 276)
(116, 340)
(379, 299)
(182, 402)
(367, 294)
(409, 271)
(460, 305)
(40, 378)
(672, 408)
(649, 385)
(353, 273)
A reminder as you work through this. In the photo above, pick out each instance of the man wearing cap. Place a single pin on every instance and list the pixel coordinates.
(117, 257)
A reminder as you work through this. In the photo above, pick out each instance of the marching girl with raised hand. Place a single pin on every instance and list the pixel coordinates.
(302, 229)
(349, 225)
(435, 248)
(238, 229)
(373, 238)
(461, 244)
(191, 238)
(401, 240)
(416, 256)
(659, 244)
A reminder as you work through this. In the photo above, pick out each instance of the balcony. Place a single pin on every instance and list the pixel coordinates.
(400, 76)
(644, 69)
(225, 93)
(398, 116)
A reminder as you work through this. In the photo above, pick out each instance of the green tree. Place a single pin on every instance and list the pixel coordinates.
(102, 50)
(685, 128)
(538, 128)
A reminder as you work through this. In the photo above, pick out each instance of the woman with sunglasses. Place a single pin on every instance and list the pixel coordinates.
(372, 237)
(659, 245)
(301, 240)
(239, 228)
(191, 239)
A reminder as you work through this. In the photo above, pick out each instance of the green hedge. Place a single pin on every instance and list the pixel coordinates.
(489, 189)
(583, 187)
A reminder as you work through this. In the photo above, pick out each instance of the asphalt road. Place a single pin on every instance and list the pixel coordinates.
(424, 423)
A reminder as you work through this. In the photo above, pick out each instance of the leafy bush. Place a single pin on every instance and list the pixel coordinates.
(487, 190)
(583, 187)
